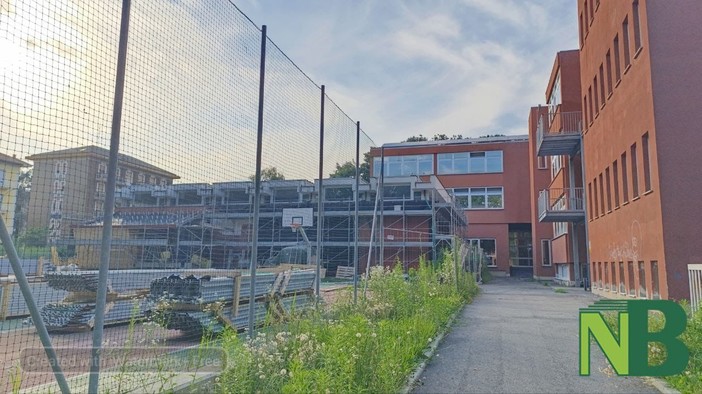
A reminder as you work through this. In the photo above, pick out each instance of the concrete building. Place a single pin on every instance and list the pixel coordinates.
(68, 186)
(490, 183)
(10, 168)
(641, 91)
(555, 135)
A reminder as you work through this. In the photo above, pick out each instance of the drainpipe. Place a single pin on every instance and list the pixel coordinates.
(588, 285)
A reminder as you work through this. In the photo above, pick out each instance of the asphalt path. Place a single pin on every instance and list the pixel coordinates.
(521, 337)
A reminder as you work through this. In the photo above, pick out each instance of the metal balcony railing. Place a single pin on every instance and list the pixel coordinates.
(561, 205)
(558, 133)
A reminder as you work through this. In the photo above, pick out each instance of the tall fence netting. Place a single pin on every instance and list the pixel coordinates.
(182, 229)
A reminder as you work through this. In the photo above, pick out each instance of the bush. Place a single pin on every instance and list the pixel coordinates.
(33, 237)
(371, 346)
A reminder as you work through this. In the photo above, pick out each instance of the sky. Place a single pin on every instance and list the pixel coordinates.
(408, 67)
(401, 68)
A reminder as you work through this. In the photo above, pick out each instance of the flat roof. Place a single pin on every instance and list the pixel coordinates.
(464, 141)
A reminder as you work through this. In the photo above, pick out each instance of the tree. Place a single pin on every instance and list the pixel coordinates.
(22, 201)
(269, 174)
(348, 169)
(34, 237)
(491, 135)
(416, 138)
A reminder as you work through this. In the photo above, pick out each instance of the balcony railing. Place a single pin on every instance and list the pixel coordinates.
(558, 133)
(561, 205)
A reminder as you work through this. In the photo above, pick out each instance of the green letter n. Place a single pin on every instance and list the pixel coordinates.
(617, 352)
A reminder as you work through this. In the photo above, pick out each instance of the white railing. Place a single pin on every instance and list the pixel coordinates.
(561, 200)
(694, 272)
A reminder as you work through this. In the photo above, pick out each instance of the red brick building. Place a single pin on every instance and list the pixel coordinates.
(555, 159)
(490, 182)
(641, 90)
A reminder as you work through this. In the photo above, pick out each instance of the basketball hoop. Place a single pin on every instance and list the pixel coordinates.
(295, 226)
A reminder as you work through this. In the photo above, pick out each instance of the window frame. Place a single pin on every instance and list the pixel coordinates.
(471, 192)
(549, 249)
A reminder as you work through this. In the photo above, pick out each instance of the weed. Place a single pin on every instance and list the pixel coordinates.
(560, 290)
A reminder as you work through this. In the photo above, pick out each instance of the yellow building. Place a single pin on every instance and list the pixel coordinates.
(10, 168)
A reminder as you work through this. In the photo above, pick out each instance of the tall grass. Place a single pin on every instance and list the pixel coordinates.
(368, 347)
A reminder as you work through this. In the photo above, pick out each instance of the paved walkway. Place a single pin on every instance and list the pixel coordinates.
(520, 337)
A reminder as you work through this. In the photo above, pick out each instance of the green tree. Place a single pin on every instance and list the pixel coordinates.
(35, 236)
(269, 174)
(22, 201)
(416, 138)
(348, 169)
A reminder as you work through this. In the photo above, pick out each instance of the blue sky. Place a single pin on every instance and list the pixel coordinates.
(467, 67)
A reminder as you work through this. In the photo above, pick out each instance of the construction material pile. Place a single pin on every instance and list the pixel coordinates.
(126, 296)
(198, 305)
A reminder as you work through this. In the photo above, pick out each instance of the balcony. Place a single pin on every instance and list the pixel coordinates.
(561, 205)
(558, 133)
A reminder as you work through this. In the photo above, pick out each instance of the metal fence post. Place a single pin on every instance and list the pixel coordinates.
(355, 213)
(108, 209)
(381, 190)
(257, 183)
(320, 196)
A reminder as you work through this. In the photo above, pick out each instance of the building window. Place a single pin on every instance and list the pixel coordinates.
(595, 278)
(617, 61)
(546, 252)
(609, 73)
(128, 177)
(615, 172)
(625, 179)
(589, 198)
(602, 85)
(606, 276)
(542, 163)
(479, 197)
(634, 172)
(625, 42)
(397, 192)
(613, 283)
(141, 179)
(469, 162)
(102, 169)
(592, 112)
(488, 246)
(609, 190)
(646, 162)
(602, 198)
(597, 96)
(119, 172)
(405, 165)
(587, 114)
(642, 280)
(637, 25)
(582, 34)
(654, 279)
(163, 182)
(622, 285)
(632, 280)
(556, 165)
(597, 206)
(554, 97)
(592, 11)
(560, 228)
(338, 194)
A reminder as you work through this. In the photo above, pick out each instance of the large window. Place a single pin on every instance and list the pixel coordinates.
(622, 286)
(397, 192)
(479, 197)
(654, 280)
(554, 99)
(520, 249)
(631, 282)
(559, 228)
(556, 165)
(338, 194)
(642, 280)
(546, 252)
(405, 165)
(469, 162)
(488, 247)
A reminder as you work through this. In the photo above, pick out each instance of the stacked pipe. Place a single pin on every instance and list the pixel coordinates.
(81, 316)
(187, 303)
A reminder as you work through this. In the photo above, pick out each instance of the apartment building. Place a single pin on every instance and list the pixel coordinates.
(10, 168)
(640, 92)
(488, 181)
(68, 186)
(556, 159)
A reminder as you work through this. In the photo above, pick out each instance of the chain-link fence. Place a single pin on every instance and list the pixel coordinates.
(205, 149)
